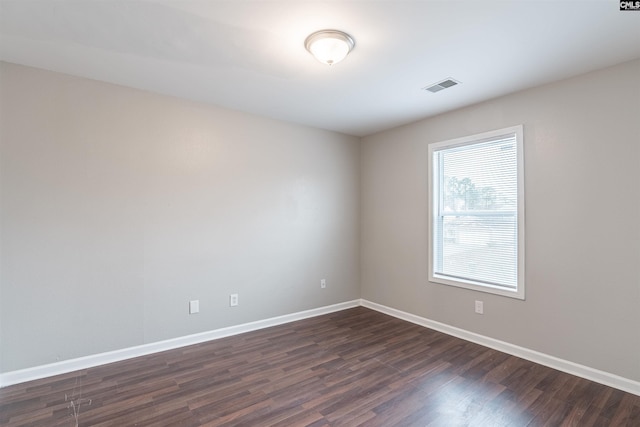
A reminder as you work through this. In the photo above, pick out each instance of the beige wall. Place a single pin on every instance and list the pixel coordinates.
(119, 206)
(582, 192)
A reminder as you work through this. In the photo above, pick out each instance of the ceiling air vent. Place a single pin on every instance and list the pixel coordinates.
(445, 84)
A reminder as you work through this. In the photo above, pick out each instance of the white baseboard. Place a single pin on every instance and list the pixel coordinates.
(43, 371)
(586, 372)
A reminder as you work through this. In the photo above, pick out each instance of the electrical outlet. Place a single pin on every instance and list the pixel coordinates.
(194, 306)
(479, 307)
(233, 300)
(323, 283)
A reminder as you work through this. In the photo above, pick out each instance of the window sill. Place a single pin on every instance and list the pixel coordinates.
(475, 286)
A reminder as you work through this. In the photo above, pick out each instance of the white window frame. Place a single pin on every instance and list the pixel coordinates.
(519, 291)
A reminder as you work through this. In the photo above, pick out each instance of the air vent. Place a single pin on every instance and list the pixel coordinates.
(445, 84)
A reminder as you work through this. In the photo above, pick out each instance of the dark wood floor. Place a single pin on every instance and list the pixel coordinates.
(351, 368)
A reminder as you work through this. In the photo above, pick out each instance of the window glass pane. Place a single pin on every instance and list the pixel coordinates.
(480, 248)
(480, 177)
(476, 217)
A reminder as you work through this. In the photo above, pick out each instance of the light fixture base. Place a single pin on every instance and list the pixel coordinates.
(329, 46)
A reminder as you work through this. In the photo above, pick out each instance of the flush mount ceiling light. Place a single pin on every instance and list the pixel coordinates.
(329, 46)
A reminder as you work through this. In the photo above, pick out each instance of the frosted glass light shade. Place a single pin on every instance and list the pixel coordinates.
(329, 46)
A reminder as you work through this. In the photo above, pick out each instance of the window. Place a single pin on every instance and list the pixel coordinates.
(477, 212)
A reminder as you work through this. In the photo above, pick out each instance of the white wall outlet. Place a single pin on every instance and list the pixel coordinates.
(194, 306)
(323, 283)
(479, 307)
(233, 300)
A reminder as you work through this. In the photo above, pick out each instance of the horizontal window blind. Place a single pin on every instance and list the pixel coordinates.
(476, 222)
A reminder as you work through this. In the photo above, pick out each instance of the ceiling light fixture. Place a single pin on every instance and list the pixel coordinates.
(329, 46)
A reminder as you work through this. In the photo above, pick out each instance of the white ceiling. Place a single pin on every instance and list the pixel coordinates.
(250, 55)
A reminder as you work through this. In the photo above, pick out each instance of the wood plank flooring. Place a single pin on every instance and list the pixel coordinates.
(356, 367)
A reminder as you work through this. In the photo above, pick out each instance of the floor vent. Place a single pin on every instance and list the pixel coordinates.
(445, 84)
